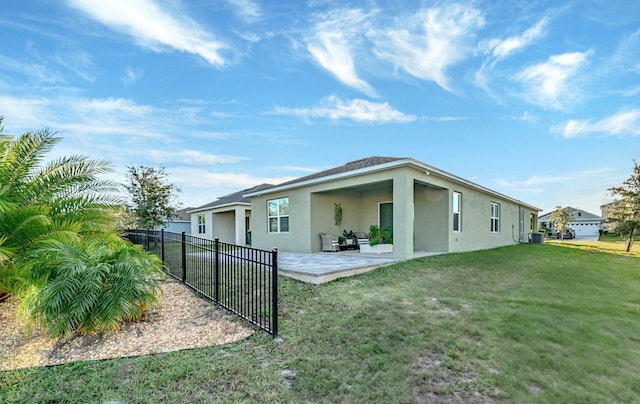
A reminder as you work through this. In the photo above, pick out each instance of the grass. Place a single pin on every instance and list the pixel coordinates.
(529, 323)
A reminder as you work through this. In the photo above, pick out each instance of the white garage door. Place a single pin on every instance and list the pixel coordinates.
(586, 229)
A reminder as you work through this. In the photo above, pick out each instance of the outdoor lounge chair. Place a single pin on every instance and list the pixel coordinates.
(362, 237)
(329, 242)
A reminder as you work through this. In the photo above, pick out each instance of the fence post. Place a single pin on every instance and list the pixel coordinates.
(147, 240)
(184, 257)
(274, 292)
(162, 245)
(216, 264)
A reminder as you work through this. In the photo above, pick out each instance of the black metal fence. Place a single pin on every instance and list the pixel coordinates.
(241, 279)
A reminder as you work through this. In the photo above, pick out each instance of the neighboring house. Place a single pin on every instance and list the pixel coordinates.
(180, 223)
(428, 209)
(607, 227)
(583, 223)
(228, 218)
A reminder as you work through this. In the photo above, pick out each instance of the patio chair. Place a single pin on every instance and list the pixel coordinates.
(329, 242)
(362, 237)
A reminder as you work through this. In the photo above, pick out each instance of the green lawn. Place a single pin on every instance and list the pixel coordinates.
(529, 323)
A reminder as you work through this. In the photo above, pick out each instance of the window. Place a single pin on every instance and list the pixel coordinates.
(495, 217)
(201, 224)
(532, 223)
(278, 211)
(457, 210)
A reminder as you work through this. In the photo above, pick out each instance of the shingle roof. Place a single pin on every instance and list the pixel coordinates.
(183, 214)
(350, 166)
(236, 197)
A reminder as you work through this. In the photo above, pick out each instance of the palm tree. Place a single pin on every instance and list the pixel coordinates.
(58, 244)
(60, 200)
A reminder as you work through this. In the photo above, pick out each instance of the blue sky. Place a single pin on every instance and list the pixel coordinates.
(537, 100)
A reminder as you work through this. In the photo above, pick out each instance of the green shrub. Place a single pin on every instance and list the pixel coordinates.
(91, 286)
(379, 235)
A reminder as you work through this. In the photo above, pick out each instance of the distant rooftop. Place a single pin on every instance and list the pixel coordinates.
(233, 198)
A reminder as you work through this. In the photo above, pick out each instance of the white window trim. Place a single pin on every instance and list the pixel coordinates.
(457, 210)
(202, 224)
(495, 218)
(278, 216)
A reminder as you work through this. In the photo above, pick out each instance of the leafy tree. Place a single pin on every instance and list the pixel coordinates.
(625, 211)
(151, 195)
(561, 217)
(59, 250)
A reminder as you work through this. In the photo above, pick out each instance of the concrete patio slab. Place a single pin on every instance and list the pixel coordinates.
(317, 268)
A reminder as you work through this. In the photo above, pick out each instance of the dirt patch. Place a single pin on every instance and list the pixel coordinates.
(437, 383)
(183, 321)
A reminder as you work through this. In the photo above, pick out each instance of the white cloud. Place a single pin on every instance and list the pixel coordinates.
(331, 44)
(426, 44)
(550, 84)
(131, 75)
(205, 179)
(532, 184)
(622, 123)
(25, 114)
(193, 157)
(38, 73)
(154, 27)
(356, 110)
(502, 48)
(631, 92)
(82, 117)
(580, 189)
(247, 10)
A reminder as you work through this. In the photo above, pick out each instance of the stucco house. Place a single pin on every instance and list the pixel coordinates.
(180, 223)
(583, 224)
(228, 218)
(428, 209)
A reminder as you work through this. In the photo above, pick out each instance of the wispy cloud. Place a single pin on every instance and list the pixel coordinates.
(131, 75)
(25, 114)
(531, 184)
(625, 122)
(200, 178)
(526, 116)
(502, 48)
(551, 84)
(248, 10)
(538, 183)
(33, 72)
(300, 169)
(426, 44)
(631, 92)
(82, 117)
(357, 110)
(194, 157)
(331, 45)
(154, 27)
(499, 49)
(77, 62)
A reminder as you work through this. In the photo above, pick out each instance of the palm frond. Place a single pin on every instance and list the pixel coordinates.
(22, 155)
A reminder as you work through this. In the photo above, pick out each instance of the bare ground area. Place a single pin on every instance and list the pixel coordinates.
(183, 321)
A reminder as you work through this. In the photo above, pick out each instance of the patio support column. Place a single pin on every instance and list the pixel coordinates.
(403, 196)
(239, 225)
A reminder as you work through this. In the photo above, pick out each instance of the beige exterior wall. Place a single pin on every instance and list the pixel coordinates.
(226, 223)
(431, 219)
(422, 213)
